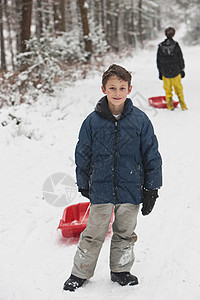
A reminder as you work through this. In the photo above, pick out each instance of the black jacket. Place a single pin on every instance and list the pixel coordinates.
(170, 60)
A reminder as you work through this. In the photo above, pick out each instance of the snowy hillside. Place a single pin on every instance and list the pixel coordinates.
(35, 259)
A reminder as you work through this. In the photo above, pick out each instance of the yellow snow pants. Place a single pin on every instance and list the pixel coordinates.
(174, 82)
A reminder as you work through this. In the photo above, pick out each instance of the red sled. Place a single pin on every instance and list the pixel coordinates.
(75, 218)
(160, 102)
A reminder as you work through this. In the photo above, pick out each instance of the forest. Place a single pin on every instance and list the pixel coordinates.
(44, 42)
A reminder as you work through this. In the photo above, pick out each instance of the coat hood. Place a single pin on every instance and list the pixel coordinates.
(168, 46)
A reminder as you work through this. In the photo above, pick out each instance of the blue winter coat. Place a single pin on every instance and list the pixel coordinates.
(115, 159)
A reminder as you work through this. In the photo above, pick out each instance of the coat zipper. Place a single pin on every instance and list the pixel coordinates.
(115, 163)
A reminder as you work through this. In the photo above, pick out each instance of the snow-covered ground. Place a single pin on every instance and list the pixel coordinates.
(35, 259)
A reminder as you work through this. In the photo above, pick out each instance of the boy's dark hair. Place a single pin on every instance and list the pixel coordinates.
(118, 71)
(170, 32)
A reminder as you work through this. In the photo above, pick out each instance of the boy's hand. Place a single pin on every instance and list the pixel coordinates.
(84, 193)
(149, 199)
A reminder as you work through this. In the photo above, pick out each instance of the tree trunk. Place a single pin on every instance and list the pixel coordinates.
(96, 12)
(7, 14)
(48, 17)
(18, 18)
(39, 21)
(108, 22)
(69, 17)
(59, 16)
(125, 25)
(3, 57)
(140, 23)
(133, 42)
(158, 18)
(26, 23)
(116, 27)
(85, 24)
(63, 18)
(103, 21)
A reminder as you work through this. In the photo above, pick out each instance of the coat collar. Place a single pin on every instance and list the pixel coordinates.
(103, 110)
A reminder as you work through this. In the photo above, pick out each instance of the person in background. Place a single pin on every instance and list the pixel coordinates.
(170, 64)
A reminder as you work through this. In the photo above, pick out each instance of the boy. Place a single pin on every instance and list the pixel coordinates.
(170, 64)
(118, 166)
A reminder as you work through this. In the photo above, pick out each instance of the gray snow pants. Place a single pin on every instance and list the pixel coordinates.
(92, 238)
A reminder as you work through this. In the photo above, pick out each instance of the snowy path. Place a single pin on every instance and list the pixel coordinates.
(36, 260)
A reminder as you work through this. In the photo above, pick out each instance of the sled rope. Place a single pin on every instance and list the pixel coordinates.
(85, 214)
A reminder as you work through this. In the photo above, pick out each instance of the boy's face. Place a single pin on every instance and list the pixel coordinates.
(116, 90)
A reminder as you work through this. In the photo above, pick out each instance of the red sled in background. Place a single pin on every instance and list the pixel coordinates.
(160, 102)
(75, 218)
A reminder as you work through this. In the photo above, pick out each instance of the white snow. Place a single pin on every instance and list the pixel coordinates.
(35, 259)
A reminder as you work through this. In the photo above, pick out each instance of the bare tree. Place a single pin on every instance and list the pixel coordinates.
(116, 27)
(39, 20)
(17, 19)
(48, 15)
(132, 25)
(63, 18)
(26, 23)
(85, 24)
(69, 18)
(10, 42)
(3, 57)
(103, 15)
(108, 22)
(59, 16)
(140, 22)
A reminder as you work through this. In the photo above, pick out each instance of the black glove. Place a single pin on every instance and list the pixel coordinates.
(149, 199)
(84, 193)
(182, 74)
(160, 76)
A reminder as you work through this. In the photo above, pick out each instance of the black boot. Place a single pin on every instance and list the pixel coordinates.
(73, 283)
(124, 278)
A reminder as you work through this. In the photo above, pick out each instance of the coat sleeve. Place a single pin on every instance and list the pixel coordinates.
(83, 156)
(151, 157)
(180, 58)
(158, 60)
